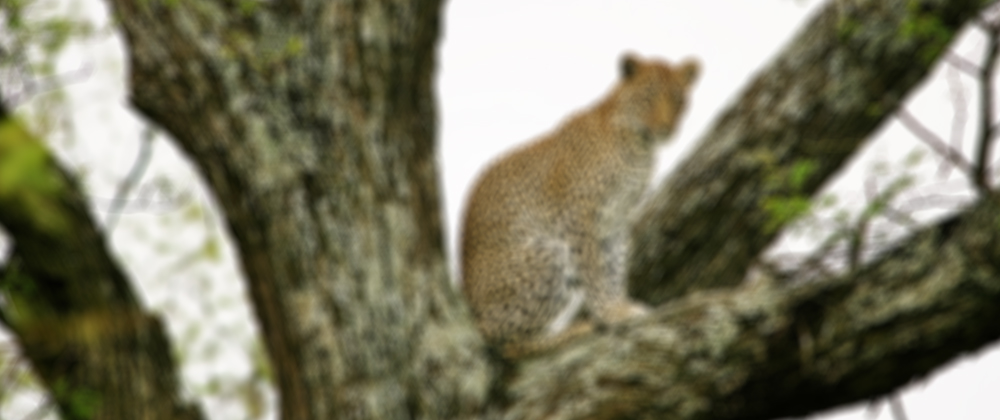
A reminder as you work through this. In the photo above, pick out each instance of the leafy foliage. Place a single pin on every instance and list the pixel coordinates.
(27, 180)
(785, 208)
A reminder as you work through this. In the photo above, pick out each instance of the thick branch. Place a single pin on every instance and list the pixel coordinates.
(313, 122)
(836, 82)
(764, 352)
(76, 316)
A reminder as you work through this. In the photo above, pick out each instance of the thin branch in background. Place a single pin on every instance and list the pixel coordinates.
(803, 266)
(871, 189)
(931, 201)
(856, 241)
(896, 407)
(21, 83)
(990, 13)
(34, 88)
(130, 181)
(981, 176)
(860, 239)
(933, 141)
(873, 409)
(960, 104)
(900, 217)
(962, 64)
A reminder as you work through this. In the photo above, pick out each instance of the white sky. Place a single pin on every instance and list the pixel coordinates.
(509, 71)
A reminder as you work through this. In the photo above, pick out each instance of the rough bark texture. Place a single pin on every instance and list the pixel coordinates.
(846, 71)
(765, 352)
(314, 124)
(70, 306)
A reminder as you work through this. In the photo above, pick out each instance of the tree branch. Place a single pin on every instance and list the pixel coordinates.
(764, 351)
(130, 180)
(981, 175)
(962, 64)
(846, 71)
(78, 321)
(314, 124)
(933, 141)
(322, 158)
(896, 406)
(959, 117)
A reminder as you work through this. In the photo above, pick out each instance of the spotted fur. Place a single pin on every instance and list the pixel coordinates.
(545, 234)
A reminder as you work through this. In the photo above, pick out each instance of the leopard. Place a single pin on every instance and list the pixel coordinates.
(545, 233)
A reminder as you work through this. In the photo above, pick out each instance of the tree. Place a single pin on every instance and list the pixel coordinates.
(313, 123)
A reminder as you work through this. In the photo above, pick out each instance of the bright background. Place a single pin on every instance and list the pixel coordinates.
(509, 71)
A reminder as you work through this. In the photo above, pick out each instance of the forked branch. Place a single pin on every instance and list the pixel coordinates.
(928, 137)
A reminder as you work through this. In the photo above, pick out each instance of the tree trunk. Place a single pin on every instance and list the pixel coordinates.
(314, 124)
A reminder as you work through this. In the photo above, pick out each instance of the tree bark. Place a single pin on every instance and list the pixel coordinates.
(846, 71)
(70, 306)
(765, 351)
(314, 124)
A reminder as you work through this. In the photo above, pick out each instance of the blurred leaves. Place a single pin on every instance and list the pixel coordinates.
(32, 34)
(28, 183)
(83, 403)
(847, 231)
(793, 204)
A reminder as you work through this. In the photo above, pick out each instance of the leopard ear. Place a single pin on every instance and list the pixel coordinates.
(629, 66)
(689, 71)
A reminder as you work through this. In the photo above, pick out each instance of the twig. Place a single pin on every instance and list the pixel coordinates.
(960, 117)
(33, 88)
(981, 176)
(962, 64)
(896, 407)
(141, 162)
(856, 241)
(899, 217)
(873, 408)
(933, 141)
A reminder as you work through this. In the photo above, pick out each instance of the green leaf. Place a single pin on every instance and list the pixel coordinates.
(84, 403)
(28, 180)
(783, 210)
(248, 7)
(800, 173)
(211, 249)
(914, 158)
